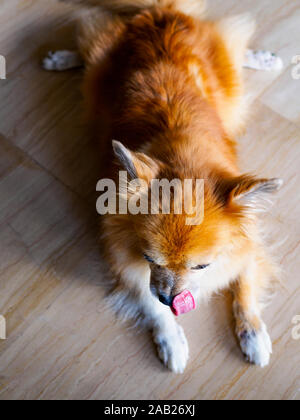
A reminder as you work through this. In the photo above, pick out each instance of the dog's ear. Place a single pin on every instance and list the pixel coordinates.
(138, 165)
(253, 194)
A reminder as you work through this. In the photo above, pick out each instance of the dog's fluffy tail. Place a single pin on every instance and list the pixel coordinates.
(189, 7)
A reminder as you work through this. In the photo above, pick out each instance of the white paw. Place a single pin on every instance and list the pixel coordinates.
(173, 348)
(62, 60)
(257, 346)
(263, 60)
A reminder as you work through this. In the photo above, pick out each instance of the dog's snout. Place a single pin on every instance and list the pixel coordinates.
(166, 299)
(163, 284)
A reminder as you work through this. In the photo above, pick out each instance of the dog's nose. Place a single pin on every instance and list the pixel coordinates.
(165, 299)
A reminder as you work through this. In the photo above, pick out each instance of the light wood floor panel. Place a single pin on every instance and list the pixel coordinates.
(283, 96)
(63, 342)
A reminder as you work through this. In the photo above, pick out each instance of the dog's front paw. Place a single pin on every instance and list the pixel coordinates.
(257, 346)
(173, 348)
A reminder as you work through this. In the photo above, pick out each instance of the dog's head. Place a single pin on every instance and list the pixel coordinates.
(182, 246)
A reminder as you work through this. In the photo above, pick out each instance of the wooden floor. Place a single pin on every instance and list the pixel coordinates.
(62, 342)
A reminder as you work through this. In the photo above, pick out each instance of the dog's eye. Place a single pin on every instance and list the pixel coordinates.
(201, 267)
(149, 259)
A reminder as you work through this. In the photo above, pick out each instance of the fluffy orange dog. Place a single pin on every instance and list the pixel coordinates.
(168, 85)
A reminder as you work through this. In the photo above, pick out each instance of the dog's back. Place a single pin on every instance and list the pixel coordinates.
(143, 45)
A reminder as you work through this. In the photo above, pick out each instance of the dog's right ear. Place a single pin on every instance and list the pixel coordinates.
(138, 165)
(253, 194)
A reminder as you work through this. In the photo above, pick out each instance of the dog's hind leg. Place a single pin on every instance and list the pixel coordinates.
(97, 34)
(263, 60)
(62, 60)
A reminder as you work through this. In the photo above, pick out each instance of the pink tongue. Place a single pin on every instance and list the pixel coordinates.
(183, 303)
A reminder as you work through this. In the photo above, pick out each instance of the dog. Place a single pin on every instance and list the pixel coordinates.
(167, 86)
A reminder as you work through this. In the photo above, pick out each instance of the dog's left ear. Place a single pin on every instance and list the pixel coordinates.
(254, 194)
(138, 165)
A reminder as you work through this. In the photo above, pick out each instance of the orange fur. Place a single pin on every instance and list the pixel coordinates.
(170, 88)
